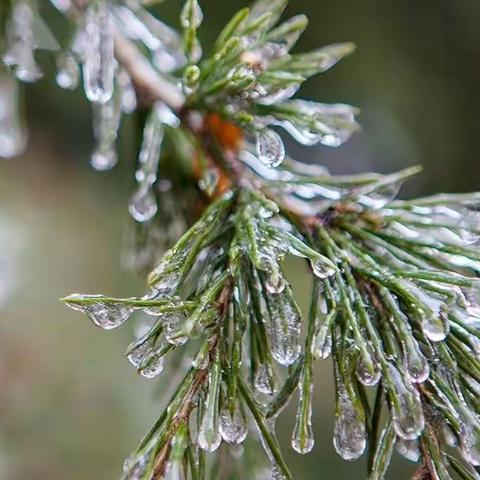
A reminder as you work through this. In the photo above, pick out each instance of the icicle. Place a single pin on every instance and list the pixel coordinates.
(408, 449)
(285, 328)
(128, 93)
(143, 205)
(209, 438)
(68, 72)
(106, 121)
(12, 133)
(349, 437)
(105, 315)
(21, 42)
(406, 406)
(470, 440)
(233, 428)
(302, 438)
(99, 61)
(270, 148)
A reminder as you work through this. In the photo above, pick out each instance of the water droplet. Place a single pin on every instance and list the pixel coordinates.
(270, 147)
(99, 61)
(233, 428)
(436, 328)
(323, 342)
(408, 449)
(143, 205)
(405, 405)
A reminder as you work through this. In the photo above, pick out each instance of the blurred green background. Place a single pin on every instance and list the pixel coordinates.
(70, 405)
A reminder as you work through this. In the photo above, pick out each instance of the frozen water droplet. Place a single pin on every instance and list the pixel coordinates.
(209, 437)
(12, 134)
(104, 158)
(417, 365)
(135, 467)
(138, 350)
(406, 407)
(270, 148)
(191, 15)
(263, 381)
(233, 428)
(436, 328)
(285, 329)
(349, 437)
(21, 42)
(322, 267)
(143, 205)
(99, 61)
(128, 93)
(275, 283)
(68, 72)
(303, 439)
(172, 326)
(470, 441)
(408, 449)
(367, 371)
(105, 315)
(323, 342)
(277, 474)
(152, 364)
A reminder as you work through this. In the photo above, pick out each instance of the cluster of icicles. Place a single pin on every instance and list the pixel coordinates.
(90, 55)
(434, 320)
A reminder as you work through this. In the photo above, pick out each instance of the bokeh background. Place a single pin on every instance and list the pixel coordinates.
(71, 408)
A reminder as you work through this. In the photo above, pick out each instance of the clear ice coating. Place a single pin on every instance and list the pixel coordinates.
(470, 440)
(415, 362)
(99, 61)
(143, 205)
(153, 362)
(408, 449)
(233, 428)
(68, 71)
(405, 405)
(191, 15)
(322, 267)
(270, 147)
(263, 381)
(138, 350)
(106, 122)
(209, 437)
(349, 434)
(303, 439)
(285, 328)
(21, 42)
(331, 125)
(367, 371)
(12, 133)
(105, 315)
